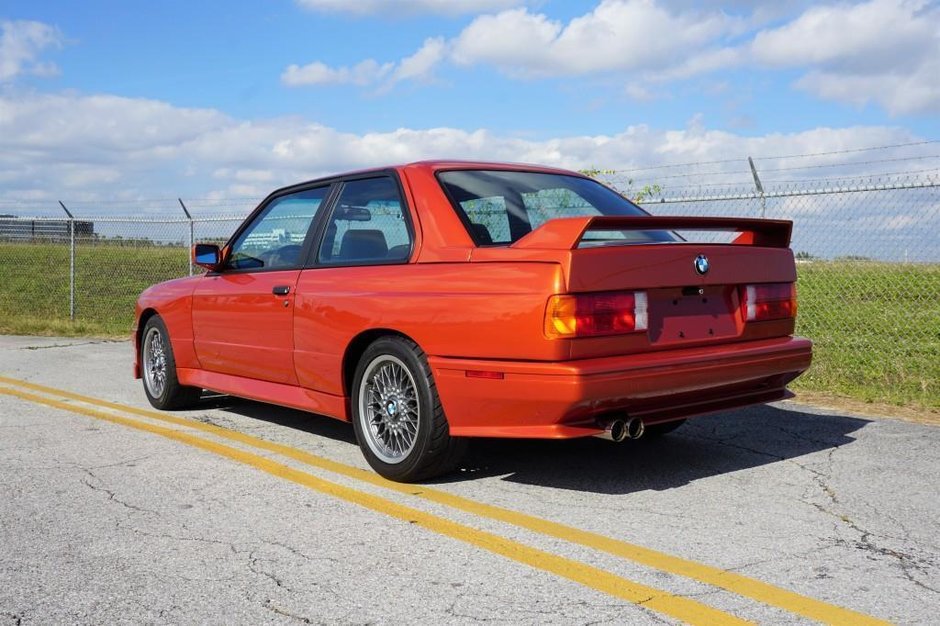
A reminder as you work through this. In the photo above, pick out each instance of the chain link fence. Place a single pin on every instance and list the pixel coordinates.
(868, 265)
(83, 275)
(868, 260)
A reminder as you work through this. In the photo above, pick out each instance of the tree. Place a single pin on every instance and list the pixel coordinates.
(643, 194)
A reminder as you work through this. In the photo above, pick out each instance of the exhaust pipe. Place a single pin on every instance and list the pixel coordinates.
(635, 428)
(614, 430)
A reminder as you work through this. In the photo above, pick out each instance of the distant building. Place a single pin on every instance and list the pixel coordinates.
(13, 228)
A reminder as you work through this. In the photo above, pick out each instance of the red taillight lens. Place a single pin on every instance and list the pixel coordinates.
(772, 301)
(596, 314)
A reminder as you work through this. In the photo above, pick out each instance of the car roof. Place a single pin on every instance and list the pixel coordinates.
(447, 164)
(437, 165)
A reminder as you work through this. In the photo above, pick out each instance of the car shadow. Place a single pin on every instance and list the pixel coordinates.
(317, 425)
(703, 447)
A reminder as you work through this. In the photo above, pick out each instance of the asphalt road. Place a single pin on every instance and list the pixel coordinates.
(239, 512)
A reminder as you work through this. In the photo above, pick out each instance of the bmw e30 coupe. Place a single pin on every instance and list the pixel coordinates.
(437, 301)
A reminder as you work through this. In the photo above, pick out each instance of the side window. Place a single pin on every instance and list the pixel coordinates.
(369, 224)
(489, 219)
(276, 236)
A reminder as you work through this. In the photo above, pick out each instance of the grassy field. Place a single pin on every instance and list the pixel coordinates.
(876, 326)
(34, 295)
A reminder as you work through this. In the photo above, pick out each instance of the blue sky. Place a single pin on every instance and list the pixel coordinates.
(221, 99)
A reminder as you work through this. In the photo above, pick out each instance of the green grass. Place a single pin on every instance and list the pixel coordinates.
(34, 294)
(876, 329)
(876, 326)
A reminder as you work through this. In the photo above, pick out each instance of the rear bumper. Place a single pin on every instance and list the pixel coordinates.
(565, 399)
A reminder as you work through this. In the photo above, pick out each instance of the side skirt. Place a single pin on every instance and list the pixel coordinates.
(294, 397)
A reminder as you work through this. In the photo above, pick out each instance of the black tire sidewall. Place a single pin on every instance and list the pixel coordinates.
(412, 464)
(164, 400)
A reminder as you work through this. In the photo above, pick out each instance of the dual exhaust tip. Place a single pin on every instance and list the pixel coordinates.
(618, 430)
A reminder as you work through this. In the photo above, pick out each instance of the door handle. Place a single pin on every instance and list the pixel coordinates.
(281, 290)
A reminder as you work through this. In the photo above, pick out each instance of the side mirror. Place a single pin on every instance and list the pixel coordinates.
(207, 255)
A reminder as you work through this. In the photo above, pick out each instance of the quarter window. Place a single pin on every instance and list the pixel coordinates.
(369, 224)
(489, 219)
(275, 238)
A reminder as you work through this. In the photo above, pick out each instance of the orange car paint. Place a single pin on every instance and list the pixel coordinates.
(482, 310)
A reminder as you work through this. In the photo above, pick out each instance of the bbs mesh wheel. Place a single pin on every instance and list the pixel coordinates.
(397, 414)
(158, 369)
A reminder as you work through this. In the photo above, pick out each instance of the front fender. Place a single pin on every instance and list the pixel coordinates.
(173, 302)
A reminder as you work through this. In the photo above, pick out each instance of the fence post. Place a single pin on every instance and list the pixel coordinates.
(191, 236)
(71, 261)
(760, 188)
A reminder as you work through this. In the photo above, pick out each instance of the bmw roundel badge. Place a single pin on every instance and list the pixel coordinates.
(701, 264)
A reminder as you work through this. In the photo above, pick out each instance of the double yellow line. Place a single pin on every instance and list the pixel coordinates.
(684, 609)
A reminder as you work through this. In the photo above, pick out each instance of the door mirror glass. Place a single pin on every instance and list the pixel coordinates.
(207, 255)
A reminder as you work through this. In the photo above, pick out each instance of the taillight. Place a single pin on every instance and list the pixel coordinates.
(596, 314)
(771, 301)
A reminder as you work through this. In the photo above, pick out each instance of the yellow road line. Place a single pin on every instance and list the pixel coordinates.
(657, 600)
(717, 577)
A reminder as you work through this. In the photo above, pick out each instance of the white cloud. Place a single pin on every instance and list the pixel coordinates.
(886, 51)
(21, 42)
(870, 37)
(420, 64)
(916, 91)
(363, 73)
(94, 127)
(702, 63)
(59, 147)
(639, 93)
(618, 35)
(881, 51)
(408, 7)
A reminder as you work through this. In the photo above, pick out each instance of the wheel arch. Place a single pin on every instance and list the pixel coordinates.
(145, 316)
(357, 347)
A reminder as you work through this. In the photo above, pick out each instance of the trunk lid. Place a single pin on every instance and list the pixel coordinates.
(694, 290)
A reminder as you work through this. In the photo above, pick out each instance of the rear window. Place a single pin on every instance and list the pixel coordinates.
(499, 207)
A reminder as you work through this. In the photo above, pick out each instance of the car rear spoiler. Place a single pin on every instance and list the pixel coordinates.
(566, 233)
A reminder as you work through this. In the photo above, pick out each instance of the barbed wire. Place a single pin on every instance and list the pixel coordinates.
(785, 156)
(851, 164)
(748, 180)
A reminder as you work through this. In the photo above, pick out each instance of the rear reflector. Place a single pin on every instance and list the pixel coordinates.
(485, 374)
(772, 301)
(596, 314)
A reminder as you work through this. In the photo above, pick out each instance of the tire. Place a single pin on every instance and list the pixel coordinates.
(158, 369)
(658, 430)
(397, 415)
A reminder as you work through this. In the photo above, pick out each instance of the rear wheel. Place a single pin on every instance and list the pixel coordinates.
(397, 414)
(161, 385)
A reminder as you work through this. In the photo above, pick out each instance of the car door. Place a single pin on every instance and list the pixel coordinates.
(367, 237)
(243, 314)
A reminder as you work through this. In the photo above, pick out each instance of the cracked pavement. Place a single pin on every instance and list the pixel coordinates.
(102, 523)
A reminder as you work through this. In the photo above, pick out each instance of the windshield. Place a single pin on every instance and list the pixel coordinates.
(500, 207)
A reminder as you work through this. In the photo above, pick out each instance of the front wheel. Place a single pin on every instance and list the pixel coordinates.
(397, 414)
(161, 385)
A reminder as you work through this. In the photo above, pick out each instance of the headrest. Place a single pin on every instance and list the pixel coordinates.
(360, 245)
(482, 233)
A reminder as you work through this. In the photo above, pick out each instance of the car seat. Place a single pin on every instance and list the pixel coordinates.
(362, 245)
